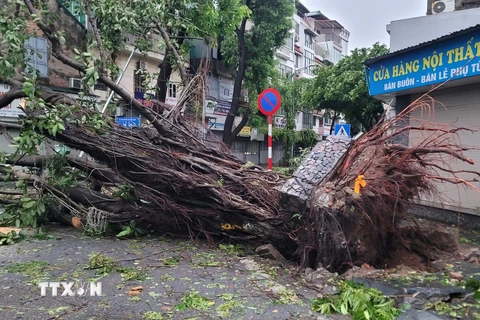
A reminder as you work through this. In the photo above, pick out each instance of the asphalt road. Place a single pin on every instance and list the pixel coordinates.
(174, 280)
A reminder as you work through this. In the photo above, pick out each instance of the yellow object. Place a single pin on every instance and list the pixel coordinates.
(360, 182)
(228, 226)
(245, 132)
(23, 103)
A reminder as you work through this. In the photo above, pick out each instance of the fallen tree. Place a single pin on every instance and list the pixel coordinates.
(167, 177)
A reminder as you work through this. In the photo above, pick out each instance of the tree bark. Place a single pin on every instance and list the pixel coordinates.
(228, 134)
(164, 77)
(166, 69)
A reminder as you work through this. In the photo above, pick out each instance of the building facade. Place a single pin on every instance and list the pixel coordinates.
(53, 73)
(315, 41)
(62, 78)
(452, 61)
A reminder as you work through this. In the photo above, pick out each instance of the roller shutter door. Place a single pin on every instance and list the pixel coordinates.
(459, 107)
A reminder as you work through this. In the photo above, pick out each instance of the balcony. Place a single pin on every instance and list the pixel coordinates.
(335, 38)
(285, 53)
(321, 49)
(214, 65)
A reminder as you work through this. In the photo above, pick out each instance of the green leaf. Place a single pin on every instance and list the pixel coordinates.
(477, 295)
(125, 233)
(29, 204)
(343, 309)
(366, 314)
(41, 206)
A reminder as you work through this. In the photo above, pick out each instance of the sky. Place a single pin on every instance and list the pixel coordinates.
(367, 19)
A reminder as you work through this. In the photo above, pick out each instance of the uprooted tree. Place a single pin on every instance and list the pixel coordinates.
(166, 177)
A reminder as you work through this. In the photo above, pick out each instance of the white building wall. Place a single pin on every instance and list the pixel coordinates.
(301, 68)
(152, 60)
(410, 32)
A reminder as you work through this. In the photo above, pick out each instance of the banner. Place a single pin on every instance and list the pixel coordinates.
(453, 59)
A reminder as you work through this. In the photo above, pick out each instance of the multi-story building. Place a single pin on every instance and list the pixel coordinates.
(333, 37)
(62, 78)
(248, 145)
(53, 73)
(315, 41)
(135, 66)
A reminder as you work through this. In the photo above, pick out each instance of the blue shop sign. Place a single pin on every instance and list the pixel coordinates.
(128, 122)
(453, 59)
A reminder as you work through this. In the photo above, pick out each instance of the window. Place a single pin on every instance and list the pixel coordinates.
(139, 79)
(307, 120)
(344, 47)
(36, 57)
(77, 11)
(337, 55)
(297, 29)
(289, 43)
(326, 120)
(100, 86)
(226, 92)
(285, 70)
(172, 90)
(309, 62)
(298, 61)
(319, 121)
(309, 39)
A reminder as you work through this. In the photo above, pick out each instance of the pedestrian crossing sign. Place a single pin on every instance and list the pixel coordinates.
(342, 130)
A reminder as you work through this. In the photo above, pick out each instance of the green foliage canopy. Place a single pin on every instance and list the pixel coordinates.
(343, 88)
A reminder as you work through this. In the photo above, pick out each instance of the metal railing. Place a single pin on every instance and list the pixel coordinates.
(333, 37)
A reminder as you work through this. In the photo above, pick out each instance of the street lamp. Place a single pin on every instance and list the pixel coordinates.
(295, 70)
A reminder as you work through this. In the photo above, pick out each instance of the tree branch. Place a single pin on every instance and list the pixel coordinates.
(58, 53)
(240, 126)
(8, 125)
(176, 55)
(93, 23)
(95, 170)
(14, 93)
(414, 151)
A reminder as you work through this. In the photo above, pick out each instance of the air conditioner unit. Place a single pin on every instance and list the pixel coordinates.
(120, 111)
(75, 83)
(297, 37)
(440, 6)
(141, 65)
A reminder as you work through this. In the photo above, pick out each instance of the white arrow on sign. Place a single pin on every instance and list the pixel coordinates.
(342, 132)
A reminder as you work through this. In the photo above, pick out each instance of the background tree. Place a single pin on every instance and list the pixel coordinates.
(342, 88)
(292, 91)
(251, 48)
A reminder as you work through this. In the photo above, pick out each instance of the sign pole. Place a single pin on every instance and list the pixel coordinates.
(270, 143)
(268, 104)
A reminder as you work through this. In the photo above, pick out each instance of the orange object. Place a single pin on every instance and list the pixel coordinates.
(76, 222)
(359, 183)
(135, 291)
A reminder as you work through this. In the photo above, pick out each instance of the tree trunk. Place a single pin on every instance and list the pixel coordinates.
(228, 134)
(332, 126)
(166, 69)
(163, 77)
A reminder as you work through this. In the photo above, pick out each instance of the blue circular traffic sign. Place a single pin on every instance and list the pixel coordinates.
(269, 101)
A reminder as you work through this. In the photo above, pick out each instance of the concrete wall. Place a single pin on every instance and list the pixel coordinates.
(410, 32)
